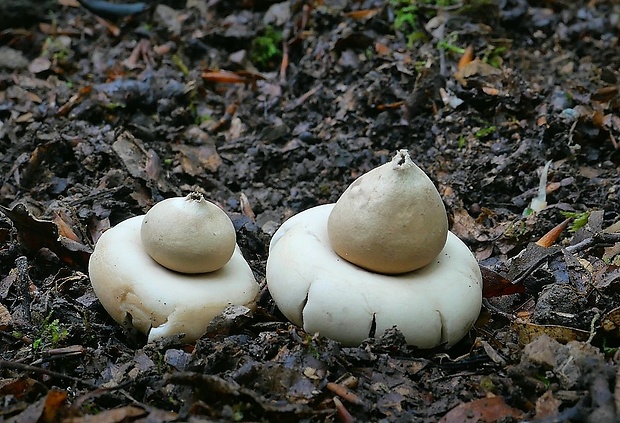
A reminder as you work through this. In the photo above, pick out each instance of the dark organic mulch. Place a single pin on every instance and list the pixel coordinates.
(99, 120)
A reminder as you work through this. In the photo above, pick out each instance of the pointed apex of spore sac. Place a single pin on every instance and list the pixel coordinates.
(390, 220)
(402, 159)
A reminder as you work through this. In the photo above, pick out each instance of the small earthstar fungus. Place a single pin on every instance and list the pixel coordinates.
(381, 256)
(172, 270)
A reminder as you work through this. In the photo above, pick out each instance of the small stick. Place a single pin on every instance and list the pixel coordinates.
(284, 63)
(345, 393)
(301, 99)
(34, 369)
(343, 413)
(550, 237)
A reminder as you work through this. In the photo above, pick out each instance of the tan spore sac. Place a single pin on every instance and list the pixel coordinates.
(390, 220)
(188, 234)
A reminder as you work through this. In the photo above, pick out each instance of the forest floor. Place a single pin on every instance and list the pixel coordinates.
(269, 109)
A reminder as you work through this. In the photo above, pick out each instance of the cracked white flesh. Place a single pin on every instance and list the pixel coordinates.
(321, 292)
(161, 302)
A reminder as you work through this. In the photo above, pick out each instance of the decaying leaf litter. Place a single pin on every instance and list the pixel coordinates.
(102, 119)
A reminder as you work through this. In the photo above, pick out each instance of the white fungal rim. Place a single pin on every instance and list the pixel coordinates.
(321, 292)
(134, 288)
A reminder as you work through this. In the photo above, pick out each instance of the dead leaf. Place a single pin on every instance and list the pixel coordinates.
(226, 77)
(97, 227)
(382, 50)
(482, 410)
(6, 321)
(62, 221)
(605, 275)
(547, 406)
(35, 234)
(605, 94)
(495, 285)
(468, 229)
(40, 64)
(45, 410)
(246, 207)
(475, 68)
(466, 58)
(490, 91)
(20, 388)
(613, 228)
(527, 332)
(140, 162)
(194, 160)
(363, 14)
(115, 415)
(611, 322)
(612, 254)
(53, 401)
(69, 3)
(529, 260)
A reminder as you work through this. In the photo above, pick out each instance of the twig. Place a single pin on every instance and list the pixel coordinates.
(284, 63)
(533, 266)
(552, 236)
(300, 100)
(28, 368)
(343, 414)
(596, 239)
(345, 393)
(593, 328)
(59, 354)
(496, 310)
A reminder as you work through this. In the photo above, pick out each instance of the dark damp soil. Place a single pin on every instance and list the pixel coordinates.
(269, 109)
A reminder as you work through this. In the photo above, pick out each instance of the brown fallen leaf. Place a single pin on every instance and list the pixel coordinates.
(69, 3)
(224, 77)
(195, 159)
(363, 14)
(35, 234)
(547, 405)
(527, 332)
(45, 410)
(466, 58)
(605, 94)
(246, 207)
(382, 50)
(116, 415)
(20, 388)
(6, 321)
(63, 222)
(485, 410)
(490, 91)
(142, 163)
(495, 285)
(475, 68)
(53, 402)
(611, 322)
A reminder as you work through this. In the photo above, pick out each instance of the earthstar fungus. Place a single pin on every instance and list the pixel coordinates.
(172, 270)
(382, 256)
(390, 220)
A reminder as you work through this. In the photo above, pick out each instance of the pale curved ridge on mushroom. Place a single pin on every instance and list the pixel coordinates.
(162, 302)
(321, 292)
